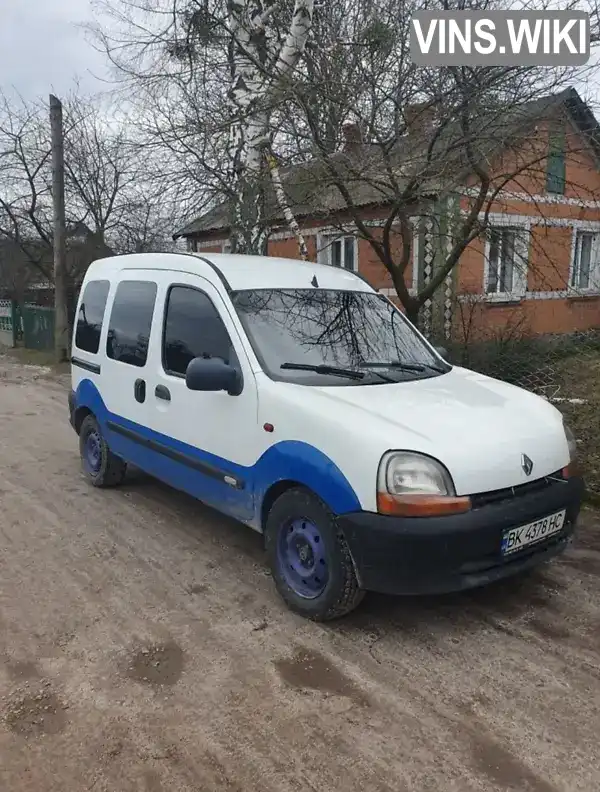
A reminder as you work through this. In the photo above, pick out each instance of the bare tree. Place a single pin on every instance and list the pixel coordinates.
(229, 64)
(441, 145)
(118, 192)
(25, 181)
(102, 166)
(237, 95)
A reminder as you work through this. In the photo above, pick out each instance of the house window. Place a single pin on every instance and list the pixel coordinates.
(556, 166)
(339, 251)
(585, 272)
(226, 248)
(507, 252)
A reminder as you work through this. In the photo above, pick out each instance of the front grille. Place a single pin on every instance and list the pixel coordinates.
(510, 493)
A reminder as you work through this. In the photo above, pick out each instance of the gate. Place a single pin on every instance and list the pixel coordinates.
(38, 327)
(7, 323)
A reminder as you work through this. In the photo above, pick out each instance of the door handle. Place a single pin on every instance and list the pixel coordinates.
(161, 392)
(139, 390)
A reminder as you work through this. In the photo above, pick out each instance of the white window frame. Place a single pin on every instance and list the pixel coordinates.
(324, 248)
(520, 273)
(594, 276)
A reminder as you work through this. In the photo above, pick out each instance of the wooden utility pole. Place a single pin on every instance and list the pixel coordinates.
(61, 321)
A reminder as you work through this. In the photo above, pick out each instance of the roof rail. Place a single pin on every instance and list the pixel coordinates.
(215, 269)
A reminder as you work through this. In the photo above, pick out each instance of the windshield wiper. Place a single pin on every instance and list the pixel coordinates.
(404, 366)
(324, 369)
(435, 367)
(393, 364)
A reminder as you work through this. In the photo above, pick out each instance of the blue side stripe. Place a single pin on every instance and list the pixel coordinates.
(287, 460)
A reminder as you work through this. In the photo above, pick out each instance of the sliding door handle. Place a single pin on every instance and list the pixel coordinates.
(161, 392)
(139, 390)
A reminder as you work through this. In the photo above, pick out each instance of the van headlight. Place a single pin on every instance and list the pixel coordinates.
(572, 469)
(411, 484)
(571, 442)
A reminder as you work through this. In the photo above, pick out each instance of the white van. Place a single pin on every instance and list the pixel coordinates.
(295, 398)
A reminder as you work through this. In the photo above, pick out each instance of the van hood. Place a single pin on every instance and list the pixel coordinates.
(478, 427)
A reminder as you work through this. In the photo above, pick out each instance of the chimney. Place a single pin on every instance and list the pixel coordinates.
(353, 137)
(420, 119)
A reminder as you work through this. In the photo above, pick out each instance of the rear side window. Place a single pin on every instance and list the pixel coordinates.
(91, 316)
(193, 328)
(131, 322)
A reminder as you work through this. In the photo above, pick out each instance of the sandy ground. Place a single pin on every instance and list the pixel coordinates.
(143, 647)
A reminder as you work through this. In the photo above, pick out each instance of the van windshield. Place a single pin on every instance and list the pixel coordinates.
(327, 337)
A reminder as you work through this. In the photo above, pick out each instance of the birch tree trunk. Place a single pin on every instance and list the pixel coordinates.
(256, 72)
(285, 207)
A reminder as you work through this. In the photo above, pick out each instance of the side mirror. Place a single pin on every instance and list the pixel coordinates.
(442, 352)
(213, 374)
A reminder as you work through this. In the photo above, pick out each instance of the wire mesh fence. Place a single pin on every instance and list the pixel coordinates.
(565, 369)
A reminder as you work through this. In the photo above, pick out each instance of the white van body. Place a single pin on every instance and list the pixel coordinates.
(240, 451)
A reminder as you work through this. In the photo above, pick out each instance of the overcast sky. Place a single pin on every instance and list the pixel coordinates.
(43, 48)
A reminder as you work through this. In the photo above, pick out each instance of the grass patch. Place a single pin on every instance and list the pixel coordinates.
(35, 357)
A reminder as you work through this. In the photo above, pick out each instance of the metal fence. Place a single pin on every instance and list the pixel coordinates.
(31, 326)
(564, 369)
(558, 367)
(38, 327)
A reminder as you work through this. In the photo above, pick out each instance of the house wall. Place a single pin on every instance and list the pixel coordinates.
(369, 264)
(547, 304)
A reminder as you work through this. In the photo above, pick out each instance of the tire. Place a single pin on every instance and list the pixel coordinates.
(100, 466)
(309, 558)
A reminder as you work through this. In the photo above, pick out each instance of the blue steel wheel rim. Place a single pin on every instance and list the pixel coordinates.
(302, 558)
(92, 455)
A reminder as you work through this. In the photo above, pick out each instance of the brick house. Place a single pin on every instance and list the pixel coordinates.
(536, 265)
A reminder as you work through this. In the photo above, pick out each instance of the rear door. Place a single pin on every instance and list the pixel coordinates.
(209, 440)
(125, 364)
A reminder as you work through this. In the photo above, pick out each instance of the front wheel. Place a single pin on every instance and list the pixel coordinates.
(309, 558)
(100, 466)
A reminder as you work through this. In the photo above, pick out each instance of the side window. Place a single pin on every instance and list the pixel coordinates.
(193, 328)
(131, 322)
(91, 316)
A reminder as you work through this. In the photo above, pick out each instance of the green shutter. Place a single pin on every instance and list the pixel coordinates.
(555, 169)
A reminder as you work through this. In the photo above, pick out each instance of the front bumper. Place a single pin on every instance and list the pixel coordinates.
(420, 555)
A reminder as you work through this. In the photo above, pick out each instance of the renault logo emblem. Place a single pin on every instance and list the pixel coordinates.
(526, 464)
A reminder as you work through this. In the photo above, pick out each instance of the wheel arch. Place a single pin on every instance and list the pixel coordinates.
(79, 416)
(292, 463)
(274, 492)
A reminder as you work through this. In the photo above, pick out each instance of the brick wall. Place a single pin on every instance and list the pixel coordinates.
(370, 265)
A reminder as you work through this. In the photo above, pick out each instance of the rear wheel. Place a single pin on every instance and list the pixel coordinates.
(100, 466)
(309, 557)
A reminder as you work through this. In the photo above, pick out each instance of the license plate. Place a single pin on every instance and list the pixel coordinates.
(519, 538)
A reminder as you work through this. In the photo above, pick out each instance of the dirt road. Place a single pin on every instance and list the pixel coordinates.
(143, 647)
